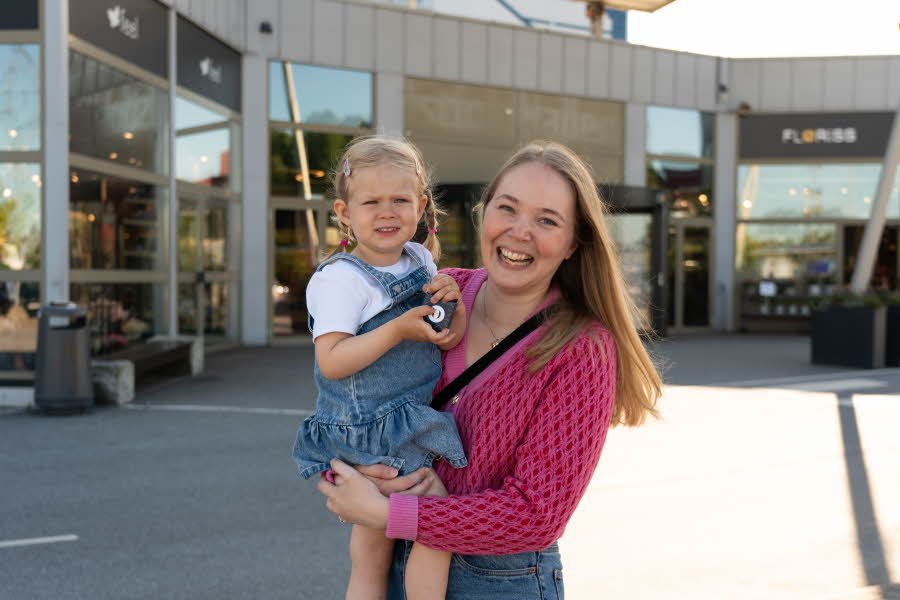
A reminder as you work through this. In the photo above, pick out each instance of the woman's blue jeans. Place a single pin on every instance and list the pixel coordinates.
(523, 576)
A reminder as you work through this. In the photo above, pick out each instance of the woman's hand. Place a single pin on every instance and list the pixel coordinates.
(417, 483)
(353, 498)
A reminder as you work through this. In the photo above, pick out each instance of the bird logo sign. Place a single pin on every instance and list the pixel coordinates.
(118, 19)
(210, 70)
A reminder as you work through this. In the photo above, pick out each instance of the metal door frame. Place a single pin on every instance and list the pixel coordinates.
(679, 225)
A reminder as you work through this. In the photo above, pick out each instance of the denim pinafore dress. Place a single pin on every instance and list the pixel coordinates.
(382, 414)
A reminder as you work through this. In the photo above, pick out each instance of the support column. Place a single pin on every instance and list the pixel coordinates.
(55, 146)
(868, 249)
(173, 185)
(255, 242)
(636, 145)
(389, 104)
(724, 216)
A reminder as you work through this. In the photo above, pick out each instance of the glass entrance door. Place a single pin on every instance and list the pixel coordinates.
(205, 272)
(689, 303)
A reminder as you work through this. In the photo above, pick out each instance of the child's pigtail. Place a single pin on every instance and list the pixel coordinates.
(432, 214)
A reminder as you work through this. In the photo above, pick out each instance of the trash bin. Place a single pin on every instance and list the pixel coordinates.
(62, 379)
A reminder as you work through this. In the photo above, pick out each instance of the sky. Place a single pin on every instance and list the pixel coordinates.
(759, 28)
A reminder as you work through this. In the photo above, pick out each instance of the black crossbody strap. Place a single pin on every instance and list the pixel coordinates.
(466, 377)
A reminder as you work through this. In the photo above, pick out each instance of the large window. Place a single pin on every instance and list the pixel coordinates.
(204, 149)
(116, 223)
(120, 314)
(680, 153)
(785, 267)
(813, 191)
(117, 117)
(322, 96)
(20, 216)
(314, 113)
(20, 105)
(20, 206)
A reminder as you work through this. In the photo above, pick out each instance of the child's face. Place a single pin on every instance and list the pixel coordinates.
(383, 210)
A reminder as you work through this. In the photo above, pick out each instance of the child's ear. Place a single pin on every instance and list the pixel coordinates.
(423, 204)
(342, 210)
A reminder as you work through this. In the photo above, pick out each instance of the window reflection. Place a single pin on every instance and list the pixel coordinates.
(679, 132)
(116, 117)
(215, 242)
(322, 151)
(190, 114)
(19, 304)
(20, 216)
(813, 191)
(119, 314)
(633, 235)
(295, 262)
(689, 186)
(20, 102)
(204, 158)
(324, 96)
(115, 224)
(796, 264)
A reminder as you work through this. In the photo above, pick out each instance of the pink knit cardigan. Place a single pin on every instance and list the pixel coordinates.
(532, 440)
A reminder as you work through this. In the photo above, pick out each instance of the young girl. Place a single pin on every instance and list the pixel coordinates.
(377, 360)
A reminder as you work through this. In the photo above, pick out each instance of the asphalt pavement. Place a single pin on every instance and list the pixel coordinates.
(766, 477)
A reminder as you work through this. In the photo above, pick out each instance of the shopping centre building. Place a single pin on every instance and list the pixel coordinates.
(165, 164)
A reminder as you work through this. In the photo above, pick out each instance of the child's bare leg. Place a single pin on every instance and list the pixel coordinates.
(370, 560)
(426, 573)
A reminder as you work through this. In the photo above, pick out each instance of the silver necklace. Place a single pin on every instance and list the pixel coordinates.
(496, 340)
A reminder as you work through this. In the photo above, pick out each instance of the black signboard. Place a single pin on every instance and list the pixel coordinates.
(208, 66)
(19, 14)
(133, 30)
(822, 135)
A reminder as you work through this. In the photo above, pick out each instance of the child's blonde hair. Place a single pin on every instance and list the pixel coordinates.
(371, 151)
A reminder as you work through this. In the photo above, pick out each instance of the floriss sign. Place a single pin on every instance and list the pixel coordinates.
(822, 135)
(134, 30)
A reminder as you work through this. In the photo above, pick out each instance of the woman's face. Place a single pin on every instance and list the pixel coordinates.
(528, 228)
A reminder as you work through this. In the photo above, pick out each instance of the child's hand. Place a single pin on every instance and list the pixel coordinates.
(442, 288)
(411, 326)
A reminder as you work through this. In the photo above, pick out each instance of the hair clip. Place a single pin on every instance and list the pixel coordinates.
(418, 166)
(432, 230)
(345, 243)
(346, 167)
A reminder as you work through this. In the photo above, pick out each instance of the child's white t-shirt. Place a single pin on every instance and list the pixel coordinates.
(341, 297)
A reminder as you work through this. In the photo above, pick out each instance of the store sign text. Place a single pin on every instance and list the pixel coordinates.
(831, 135)
(118, 19)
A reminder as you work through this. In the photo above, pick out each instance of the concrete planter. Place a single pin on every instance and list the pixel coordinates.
(849, 336)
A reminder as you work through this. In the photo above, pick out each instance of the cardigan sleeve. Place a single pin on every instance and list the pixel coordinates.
(553, 465)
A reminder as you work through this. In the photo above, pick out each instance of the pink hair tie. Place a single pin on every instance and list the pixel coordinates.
(345, 243)
(430, 230)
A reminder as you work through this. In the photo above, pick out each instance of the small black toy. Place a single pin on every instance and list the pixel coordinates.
(442, 314)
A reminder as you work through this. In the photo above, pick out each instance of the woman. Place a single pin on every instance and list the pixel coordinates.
(534, 422)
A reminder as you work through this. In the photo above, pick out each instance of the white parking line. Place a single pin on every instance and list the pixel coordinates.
(782, 381)
(296, 412)
(837, 385)
(40, 540)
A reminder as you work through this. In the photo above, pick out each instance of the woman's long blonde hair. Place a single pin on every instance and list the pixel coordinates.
(374, 150)
(592, 286)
